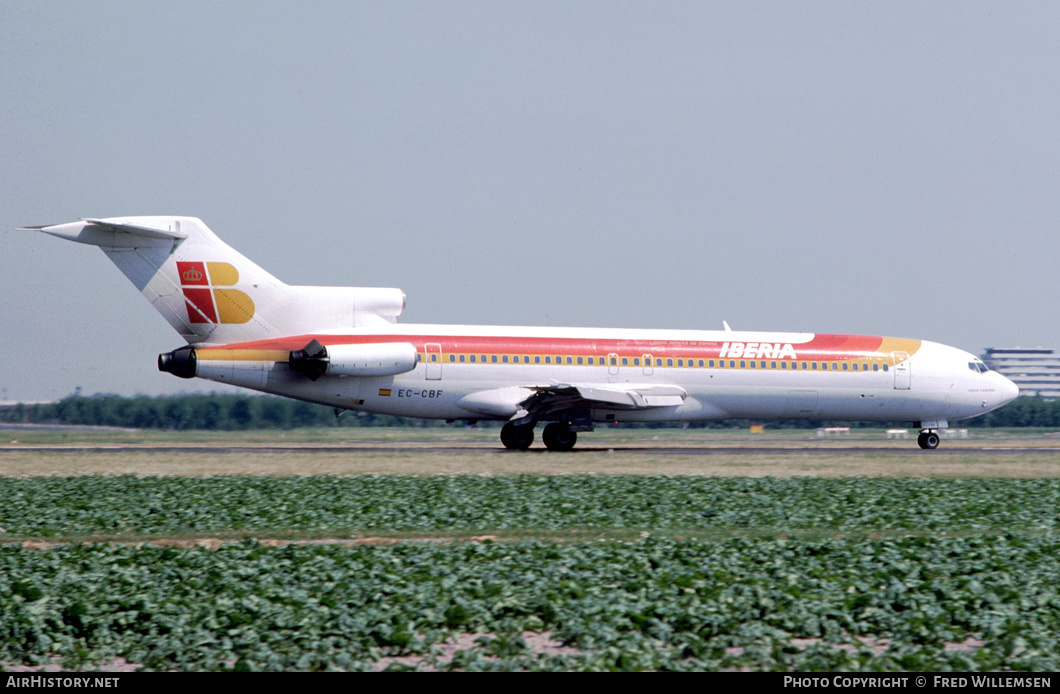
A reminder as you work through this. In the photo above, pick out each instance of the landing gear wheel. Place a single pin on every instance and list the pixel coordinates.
(517, 438)
(928, 440)
(558, 437)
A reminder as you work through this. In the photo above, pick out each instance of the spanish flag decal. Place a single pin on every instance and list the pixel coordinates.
(384, 392)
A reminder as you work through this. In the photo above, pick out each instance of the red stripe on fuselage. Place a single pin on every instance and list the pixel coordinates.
(820, 348)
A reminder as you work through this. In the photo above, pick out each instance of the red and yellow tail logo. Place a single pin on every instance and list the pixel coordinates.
(209, 299)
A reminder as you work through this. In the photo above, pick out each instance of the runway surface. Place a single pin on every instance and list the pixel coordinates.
(487, 448)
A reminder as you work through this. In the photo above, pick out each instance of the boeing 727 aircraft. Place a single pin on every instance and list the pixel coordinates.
(342, 346)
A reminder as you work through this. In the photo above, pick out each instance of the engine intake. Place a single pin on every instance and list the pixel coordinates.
(180, 362)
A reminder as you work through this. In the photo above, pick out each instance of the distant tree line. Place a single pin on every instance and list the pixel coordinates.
(212, 411)
(235, 412)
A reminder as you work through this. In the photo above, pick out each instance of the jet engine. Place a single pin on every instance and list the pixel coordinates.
(180, 362)
(377, 359)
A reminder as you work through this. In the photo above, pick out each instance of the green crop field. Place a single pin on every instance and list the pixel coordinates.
(662, 563)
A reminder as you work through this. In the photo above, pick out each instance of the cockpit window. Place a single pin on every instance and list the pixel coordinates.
(978, 366)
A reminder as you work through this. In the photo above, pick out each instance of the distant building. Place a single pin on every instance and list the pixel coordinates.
(1036, 370)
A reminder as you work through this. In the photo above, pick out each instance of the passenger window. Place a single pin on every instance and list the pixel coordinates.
(743, 364)
(804, 367)
(461, 358)
(472, 358)
(625, 361)
(494, 359)
(795, 365)
(844, 366)
(658, 361)
(835, 366)
(669, 362)
(636, 361)
(885, 367)
(537, 359)
(579, 361)
(452, 358)
(814, 365)
(772, 365)
(783, 365)
(855, 366)
(569, 360)
(701, 363)
(614, 361)
(754, 365)
(732, 364)
(710, 363)
(548, 360)
(875, 367)
(505, 358)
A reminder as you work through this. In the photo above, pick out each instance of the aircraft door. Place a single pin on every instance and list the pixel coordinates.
(612, 367)
(648, 368)
(902, 373)
(433, 353)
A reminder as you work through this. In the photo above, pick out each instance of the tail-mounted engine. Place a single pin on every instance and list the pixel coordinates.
(379, 359)
(180, 362)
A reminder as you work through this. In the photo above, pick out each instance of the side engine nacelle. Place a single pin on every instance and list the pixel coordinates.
(378, 359)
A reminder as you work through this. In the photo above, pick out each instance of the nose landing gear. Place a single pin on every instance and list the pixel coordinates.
(928, 439)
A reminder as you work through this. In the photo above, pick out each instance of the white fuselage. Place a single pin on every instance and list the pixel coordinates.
(722, 374)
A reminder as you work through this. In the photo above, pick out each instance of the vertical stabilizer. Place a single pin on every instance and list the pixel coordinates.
(210, 293)
(196, 281)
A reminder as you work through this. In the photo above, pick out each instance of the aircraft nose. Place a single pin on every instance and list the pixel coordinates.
(1009, 390)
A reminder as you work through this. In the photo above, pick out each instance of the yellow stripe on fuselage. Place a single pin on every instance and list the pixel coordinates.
(216, 354)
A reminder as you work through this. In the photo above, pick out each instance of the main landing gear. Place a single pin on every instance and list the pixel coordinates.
(517, 438)
(928, 439)
(556, 436)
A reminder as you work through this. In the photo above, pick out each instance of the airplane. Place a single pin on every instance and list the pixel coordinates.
(343, 347)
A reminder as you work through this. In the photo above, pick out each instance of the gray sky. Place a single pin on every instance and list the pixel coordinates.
(877, 168)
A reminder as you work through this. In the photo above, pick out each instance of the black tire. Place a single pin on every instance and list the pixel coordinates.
(928, 440)
(517, 438)
(558, 437)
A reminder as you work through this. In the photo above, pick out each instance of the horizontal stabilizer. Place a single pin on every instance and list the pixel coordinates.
(136, 230)
(113, 233)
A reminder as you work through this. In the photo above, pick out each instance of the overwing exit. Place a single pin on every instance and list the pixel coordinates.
(343, 347)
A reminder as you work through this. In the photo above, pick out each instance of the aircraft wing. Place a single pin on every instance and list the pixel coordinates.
(631, 397)
(535, 402)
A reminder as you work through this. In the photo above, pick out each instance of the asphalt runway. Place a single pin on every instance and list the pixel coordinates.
(486, 448)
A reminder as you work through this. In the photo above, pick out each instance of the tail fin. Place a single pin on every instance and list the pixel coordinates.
(210, 293)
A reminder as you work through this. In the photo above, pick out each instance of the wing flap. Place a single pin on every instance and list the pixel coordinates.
(548, 400)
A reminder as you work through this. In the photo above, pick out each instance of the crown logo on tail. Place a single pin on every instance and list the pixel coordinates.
(192, 275)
